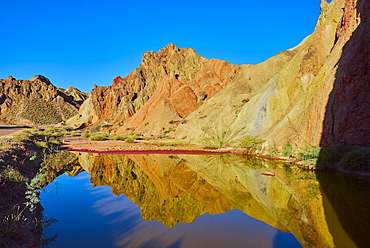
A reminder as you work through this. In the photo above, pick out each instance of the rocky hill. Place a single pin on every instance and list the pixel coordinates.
(160, 93)
(316, 93)
(78, 96)
(34, 102)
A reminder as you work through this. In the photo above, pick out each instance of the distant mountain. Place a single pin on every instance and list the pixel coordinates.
(34, 102)
(78, 96)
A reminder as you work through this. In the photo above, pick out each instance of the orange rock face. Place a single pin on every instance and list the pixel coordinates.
(166, 87)
(175, 99)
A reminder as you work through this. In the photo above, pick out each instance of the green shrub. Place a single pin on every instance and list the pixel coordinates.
(117, 137)
(13, 175)
(356, 160)
(33, 191)
(287, 170)
(57, 134)
(75, 133)
(85, 134)
(41, 145)
(287, 149)
(253, 143)
(137, 136)
(49, 130)
(310, 155)
(98, 136)
(176, 143)
(271, 150)
(21, 136)
(54, 142)
(41, 132)
(219, 137)
(311, 152)
(129, 140)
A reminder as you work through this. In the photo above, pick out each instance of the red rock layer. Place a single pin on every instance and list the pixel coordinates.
(175, 99)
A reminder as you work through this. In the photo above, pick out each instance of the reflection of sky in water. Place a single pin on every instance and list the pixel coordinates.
(94, 217)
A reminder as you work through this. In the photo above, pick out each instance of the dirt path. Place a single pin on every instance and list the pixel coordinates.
(9, 130)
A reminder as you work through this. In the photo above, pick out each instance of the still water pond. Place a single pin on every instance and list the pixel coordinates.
(158, 200)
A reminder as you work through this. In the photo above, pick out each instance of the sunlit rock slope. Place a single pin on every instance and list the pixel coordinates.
(34, 102)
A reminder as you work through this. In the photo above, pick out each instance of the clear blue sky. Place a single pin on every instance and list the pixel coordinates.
(82, 43)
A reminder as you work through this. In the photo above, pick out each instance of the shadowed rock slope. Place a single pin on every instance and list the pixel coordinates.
(34, 102)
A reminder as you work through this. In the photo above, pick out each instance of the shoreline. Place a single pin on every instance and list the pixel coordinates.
(80, 144)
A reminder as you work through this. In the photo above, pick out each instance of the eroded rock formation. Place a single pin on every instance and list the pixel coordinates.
(34, 102)
(164, 89)
(78, 96)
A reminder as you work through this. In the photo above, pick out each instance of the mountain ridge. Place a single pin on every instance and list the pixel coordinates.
(34, 102)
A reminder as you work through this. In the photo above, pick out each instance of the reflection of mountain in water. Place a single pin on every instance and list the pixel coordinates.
(347, 208)
(180, 188)
(162, 186)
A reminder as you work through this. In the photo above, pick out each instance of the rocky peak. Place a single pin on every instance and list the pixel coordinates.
(41, 79)
(9, 79)
(77, 95)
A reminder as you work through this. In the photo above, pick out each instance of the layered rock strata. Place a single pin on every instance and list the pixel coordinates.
(164, 89)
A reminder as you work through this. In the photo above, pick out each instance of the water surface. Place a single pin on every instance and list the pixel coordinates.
(182, 200)
(94, 217)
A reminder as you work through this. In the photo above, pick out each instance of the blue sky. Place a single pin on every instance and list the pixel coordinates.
(82, 43)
